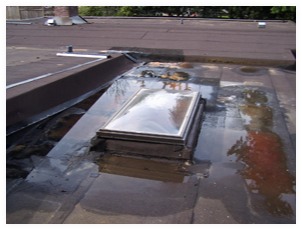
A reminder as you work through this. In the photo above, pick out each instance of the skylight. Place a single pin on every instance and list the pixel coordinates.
(154, 115)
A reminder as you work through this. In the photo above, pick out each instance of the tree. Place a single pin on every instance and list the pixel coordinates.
(233, 12)
(284, 12)
(98, 10)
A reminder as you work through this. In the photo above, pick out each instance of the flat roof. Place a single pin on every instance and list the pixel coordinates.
(33, 47)
(67, 186)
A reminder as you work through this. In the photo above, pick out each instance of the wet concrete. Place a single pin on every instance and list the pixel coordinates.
(242, 171)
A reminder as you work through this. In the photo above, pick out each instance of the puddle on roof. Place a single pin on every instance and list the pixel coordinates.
(172, 65)
(166, 171)
(250, 148)
(262, 152)
(257, 117)
(265, 169)
(253, 144)
(125, 87)
(255, 97)
(176, 76)
(182, 71)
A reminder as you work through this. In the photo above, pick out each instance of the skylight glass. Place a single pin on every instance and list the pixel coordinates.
(160, 114)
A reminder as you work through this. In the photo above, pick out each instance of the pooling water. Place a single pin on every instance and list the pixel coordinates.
(239, 129)
(262, 152)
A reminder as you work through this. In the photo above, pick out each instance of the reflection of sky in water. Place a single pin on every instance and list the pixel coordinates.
(205, 90)
(151, 113)
(251, 149)
(255, 146)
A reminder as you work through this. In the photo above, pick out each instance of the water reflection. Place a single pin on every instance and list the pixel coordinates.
(172, 65)
(176, 76)
(263, 154)
(176, 85)
(118, 90)
(144, 168)
(122, 89)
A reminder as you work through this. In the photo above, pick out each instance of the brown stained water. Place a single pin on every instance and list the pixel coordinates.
(262, 153)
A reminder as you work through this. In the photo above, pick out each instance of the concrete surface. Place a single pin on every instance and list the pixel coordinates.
(67, 186)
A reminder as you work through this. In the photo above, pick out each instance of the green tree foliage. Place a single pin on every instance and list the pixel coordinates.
(99, 10)
(284, 12)
(250, 12)
(232, 12)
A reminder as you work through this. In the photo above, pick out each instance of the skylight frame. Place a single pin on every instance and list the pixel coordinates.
(156, 137)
